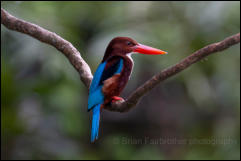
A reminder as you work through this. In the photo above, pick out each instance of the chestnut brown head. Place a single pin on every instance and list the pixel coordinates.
(126, 45)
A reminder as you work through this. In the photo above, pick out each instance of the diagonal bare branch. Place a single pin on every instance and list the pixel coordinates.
(82, 67)
(50, 38)
(135, 97)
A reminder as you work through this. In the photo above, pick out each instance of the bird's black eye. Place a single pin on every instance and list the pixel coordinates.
(129, 43)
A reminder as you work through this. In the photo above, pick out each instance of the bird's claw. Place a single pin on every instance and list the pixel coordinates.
(116, 98)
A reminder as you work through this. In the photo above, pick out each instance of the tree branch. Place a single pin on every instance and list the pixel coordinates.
(50, 38)
(82, 67)
(134, 98)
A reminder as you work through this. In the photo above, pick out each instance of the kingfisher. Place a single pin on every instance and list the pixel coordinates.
(112, 76)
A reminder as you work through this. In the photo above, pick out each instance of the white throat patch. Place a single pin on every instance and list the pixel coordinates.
(129, 56)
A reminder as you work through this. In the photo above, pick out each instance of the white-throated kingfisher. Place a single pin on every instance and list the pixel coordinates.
(112, 75)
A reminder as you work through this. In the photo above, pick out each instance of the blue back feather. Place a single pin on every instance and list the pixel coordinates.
(95, 123)
(120, 67)
(96, 96)
(97, 76)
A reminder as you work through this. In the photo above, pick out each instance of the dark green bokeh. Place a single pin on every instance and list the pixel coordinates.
(193, 115)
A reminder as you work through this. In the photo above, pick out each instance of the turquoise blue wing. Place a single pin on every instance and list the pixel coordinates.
(97, 77)
(102, 73)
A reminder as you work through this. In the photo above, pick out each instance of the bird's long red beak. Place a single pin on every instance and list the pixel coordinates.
(143, 49)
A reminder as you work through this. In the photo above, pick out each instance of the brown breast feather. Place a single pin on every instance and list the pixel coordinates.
(115, 84)
(111, 87)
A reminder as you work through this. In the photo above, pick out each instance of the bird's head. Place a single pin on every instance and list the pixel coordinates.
(126, 45)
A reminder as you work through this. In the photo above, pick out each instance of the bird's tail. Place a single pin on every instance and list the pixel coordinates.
(95, 122)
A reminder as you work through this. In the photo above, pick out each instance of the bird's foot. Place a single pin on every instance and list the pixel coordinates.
(116, 98)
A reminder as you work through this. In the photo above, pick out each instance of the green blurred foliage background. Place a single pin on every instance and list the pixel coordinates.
(193, 115)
